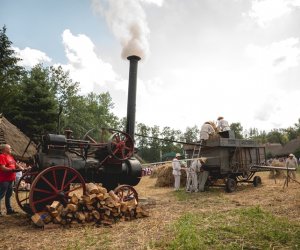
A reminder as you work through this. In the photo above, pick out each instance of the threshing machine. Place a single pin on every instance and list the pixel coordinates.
(229, 159)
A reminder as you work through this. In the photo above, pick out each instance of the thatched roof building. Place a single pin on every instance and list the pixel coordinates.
(10, 134)
(276, 149)
(273, 148)
(291, 147)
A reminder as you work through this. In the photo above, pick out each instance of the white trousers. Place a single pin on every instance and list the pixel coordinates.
(177, 182)
(192, 182)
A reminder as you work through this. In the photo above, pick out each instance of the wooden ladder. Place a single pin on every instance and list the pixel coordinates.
(196, 151)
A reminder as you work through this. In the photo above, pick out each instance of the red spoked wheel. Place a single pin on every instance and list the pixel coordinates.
(120, 146)
(126, 193)
(22, 190)
(56, 183)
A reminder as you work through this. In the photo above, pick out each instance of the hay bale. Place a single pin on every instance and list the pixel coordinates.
(155, 172)
(165, 177)
(277, 173)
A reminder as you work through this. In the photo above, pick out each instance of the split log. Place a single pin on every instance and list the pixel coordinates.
(92, 188)
(96, 206)
(74, 199)
(114, 196)
(71, 207)
(80, 216)
(96, 214)
(54, 206)
(37, 220)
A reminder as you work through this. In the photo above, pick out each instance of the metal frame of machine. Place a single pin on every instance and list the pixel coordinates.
(231, 160)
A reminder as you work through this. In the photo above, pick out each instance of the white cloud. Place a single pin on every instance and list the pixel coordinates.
(31, 57)
(157, 2)
(265, 11)
(278, 56)
(84, 64)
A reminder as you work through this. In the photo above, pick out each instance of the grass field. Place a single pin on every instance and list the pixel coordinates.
(267, 217)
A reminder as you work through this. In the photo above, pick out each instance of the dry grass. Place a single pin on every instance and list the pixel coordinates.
(18, 233)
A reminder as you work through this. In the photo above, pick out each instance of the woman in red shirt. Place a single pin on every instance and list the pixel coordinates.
(8, 169)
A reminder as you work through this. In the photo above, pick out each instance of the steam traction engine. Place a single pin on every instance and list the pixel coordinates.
(63, 165)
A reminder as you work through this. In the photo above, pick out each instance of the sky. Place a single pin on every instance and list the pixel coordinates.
(201, 59)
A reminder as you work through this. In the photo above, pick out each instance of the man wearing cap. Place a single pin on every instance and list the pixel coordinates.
(291, 162)
(8, 169)
(176, 165)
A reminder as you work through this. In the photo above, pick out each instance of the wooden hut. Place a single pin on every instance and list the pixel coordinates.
(22, 147)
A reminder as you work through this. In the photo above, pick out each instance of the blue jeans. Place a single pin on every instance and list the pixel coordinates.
(6, 189)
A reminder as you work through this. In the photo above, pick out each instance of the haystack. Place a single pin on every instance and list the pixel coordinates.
(10, 134)
(276, 173)
(165, 177)
(156, 170)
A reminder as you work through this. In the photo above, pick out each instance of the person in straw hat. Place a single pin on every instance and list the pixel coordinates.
(203, 175)
(222, 124)
(291, 162)
(206, 130)
(176, 166)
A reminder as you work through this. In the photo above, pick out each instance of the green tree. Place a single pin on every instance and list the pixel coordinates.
(170, 135)
(192, 134)
(276, 136)
(10, 74)
(297, 127)
(36, 109)
(66, 92)
(291, 133)
(155, 145)
(93, 111)
(238, 129)
(142, 142)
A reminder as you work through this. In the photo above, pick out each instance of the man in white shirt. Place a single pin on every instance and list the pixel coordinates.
(206, 130)
(176, 165)
(291, 162)
(222, 125)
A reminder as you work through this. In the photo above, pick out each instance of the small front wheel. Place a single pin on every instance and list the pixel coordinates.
(230, 185)
(256, 181)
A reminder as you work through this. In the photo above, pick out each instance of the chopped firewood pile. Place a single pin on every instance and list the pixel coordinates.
(97, 206)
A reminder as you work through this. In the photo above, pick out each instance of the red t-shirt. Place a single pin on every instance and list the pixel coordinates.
(9, 162)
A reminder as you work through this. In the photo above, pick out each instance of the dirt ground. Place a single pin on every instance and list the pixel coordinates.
(17, 232)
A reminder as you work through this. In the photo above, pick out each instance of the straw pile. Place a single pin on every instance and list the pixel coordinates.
(277, 173)
(155, 171)
(165, 177)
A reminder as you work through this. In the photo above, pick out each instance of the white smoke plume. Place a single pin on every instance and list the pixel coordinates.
(127, 21)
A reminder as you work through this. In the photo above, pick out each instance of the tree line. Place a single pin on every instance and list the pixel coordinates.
(43, 100)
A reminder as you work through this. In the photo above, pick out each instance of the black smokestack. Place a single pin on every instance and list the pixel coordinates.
(131, 103)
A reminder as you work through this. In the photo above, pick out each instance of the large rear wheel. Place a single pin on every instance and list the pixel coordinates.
(56, 183)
